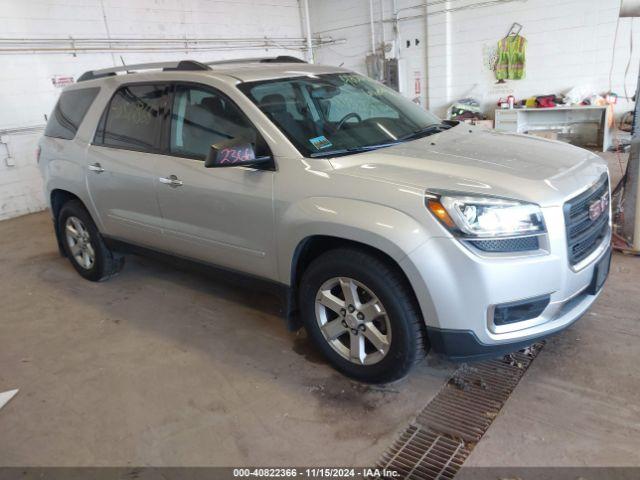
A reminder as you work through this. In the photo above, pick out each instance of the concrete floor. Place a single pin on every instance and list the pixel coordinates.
(160, 366)
(165, 367)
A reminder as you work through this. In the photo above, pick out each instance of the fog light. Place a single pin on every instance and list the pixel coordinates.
(506, 313)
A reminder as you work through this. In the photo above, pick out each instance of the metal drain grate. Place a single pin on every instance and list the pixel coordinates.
(423, 453)
(438, 442)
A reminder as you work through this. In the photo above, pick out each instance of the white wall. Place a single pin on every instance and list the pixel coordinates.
(570, 42)
(350, 21)
(26, 89)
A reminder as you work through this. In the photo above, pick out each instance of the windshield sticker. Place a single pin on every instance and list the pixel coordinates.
(320, 142)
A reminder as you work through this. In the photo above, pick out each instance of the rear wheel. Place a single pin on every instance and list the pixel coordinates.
(361, 314)
(83, 244)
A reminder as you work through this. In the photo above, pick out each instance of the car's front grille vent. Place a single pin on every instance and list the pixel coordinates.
(512, 312)
(586, 227)
(521, 244)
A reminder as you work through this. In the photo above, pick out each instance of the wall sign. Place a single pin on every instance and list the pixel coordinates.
(61, 81)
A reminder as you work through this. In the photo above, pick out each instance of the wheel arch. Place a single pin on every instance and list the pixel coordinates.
(312, 247)
(57, 199)
(315, 225)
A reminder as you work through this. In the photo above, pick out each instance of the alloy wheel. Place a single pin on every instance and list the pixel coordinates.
(79, 242)
(353, 320)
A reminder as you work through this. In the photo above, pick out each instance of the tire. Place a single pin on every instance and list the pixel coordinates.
(399, 333)
(86, 243)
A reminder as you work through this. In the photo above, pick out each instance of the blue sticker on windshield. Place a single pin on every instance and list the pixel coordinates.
(320, 142)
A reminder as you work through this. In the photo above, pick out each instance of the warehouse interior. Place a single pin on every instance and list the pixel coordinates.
(168, 364)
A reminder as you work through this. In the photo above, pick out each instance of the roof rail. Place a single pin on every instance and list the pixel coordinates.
(278, 59)
(182, 65)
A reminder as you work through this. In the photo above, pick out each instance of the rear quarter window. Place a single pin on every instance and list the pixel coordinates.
(69, 112)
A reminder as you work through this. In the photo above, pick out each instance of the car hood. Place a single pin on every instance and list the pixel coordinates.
(472, 160)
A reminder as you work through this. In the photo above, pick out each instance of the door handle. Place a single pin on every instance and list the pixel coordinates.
(171, 180)
(96, 167)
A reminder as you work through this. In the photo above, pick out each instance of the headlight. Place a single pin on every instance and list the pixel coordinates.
(483, 217)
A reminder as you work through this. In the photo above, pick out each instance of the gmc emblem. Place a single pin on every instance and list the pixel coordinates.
(598, 207)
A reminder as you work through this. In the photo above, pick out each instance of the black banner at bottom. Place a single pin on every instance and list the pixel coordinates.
(214, 473)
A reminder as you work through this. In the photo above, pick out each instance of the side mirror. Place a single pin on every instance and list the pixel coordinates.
(233, 153)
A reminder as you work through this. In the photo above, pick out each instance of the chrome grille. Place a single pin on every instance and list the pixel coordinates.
(584, 235)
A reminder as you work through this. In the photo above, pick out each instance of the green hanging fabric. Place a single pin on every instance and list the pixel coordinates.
(511, 58)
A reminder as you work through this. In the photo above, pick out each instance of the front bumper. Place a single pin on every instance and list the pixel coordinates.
(464, 345)
(458, 288)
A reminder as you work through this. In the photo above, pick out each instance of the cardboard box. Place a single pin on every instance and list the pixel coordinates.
(488, 124)
(548, 134)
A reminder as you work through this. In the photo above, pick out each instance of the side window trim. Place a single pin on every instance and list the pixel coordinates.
(102, 123)
(104, 117)
(165, 131)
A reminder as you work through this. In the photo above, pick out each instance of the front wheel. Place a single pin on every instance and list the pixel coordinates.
(361, 313)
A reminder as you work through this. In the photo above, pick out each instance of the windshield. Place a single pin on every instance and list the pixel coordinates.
(332, 114)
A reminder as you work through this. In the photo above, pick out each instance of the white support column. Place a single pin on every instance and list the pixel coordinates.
(307, 26)
(372, 27)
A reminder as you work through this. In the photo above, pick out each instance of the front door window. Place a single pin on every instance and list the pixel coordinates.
(202, 117)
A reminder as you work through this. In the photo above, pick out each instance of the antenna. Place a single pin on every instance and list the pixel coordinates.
(124, 64)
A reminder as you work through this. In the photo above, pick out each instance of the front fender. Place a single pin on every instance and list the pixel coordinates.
(387, 229)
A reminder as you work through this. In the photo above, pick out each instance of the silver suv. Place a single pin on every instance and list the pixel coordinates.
(387, 230)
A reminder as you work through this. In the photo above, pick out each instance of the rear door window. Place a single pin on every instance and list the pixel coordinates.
(133, 118)
(69, 112)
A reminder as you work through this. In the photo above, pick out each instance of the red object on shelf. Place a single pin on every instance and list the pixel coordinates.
(546, 101)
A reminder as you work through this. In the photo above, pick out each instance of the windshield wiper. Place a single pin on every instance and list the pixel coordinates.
(423, 132)
(346, 151)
